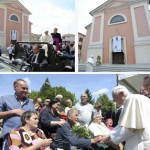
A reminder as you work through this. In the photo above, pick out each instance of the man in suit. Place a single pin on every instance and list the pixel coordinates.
(38, 58)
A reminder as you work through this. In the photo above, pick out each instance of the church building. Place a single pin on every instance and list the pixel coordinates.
(14, 23)
(119, 33)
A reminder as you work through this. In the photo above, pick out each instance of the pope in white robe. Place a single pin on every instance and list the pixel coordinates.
(90, 64)
(134, 122)
(46, 38)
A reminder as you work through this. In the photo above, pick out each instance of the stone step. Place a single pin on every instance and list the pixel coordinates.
(117, 68)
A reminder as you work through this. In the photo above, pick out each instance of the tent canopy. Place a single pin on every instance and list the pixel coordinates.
(132, 81)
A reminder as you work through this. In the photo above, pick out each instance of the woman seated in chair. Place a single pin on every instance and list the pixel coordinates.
(28, 137)
(97, 127)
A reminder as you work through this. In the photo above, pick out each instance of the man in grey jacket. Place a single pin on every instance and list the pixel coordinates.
(65, 138)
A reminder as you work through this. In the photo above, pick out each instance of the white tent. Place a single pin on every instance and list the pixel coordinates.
(132, 81)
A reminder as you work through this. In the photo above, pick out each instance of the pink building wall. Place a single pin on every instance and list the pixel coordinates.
(30, 24)
(25, 25)
(87, 41)
(12, 25)
(122, 29)
(141, 21)
(96, 31)
(2, 19)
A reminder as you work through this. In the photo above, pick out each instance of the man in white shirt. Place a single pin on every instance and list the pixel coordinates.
(133, 126)
(10, 51)
(85, 110)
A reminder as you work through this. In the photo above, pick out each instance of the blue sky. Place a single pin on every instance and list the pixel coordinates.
(83, 9)
(75, 83)
(48, 14)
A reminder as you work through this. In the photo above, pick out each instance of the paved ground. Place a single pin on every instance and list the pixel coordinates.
(3, 66)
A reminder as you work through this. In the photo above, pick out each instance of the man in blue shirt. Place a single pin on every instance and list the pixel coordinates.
(65, 137)
(12, 107)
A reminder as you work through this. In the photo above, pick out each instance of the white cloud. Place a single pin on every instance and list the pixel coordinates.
(47, 14)
(101, 91)
(28, 81)
(83, 9)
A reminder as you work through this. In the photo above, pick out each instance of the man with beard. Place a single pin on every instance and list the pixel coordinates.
(12, 107)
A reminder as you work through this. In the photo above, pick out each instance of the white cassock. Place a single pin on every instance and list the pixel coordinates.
(48, 39)
(134, 124)
(90, 64)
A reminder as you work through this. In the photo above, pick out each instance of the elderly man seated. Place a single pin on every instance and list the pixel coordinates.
(97, 127)
(65, 137)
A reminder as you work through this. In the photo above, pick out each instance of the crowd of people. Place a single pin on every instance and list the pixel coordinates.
(40, 54)
(30, 125)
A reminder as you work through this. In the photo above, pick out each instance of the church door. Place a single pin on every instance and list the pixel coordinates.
(118, 58)
(117, 50)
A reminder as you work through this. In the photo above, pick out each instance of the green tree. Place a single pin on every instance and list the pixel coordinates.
(107, 104)
(46, 90)
(66, 94)
(91, 100)
(34, 94)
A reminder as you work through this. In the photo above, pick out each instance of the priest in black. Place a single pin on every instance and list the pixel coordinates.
(56, 39)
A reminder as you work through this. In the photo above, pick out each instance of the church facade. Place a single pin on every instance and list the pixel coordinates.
(14, 23)
(119, 33)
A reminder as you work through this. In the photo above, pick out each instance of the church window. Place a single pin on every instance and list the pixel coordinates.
(14, 18)
(117, 19)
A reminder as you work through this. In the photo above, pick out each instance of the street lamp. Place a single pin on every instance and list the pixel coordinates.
(117, 79)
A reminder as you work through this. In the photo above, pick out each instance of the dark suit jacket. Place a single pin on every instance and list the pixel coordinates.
(57, 35)
(41, 60)
(46, 117)
(117, 116)
(65, 137)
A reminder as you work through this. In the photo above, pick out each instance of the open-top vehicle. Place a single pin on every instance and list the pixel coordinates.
(22, 53)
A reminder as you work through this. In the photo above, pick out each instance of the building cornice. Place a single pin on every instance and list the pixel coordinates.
(15, 3)
(123, 4)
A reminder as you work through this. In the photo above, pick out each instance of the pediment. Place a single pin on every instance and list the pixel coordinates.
(117, 4)
(109, 5)
(15, 4)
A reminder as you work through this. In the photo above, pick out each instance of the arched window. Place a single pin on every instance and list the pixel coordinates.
(14, 18)
(117, 19)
